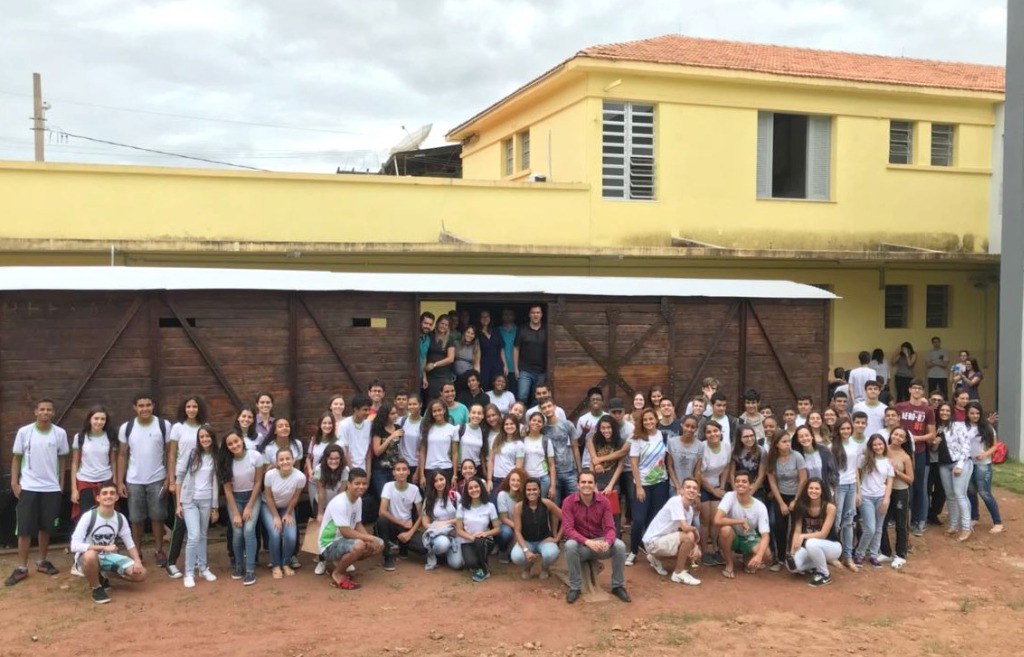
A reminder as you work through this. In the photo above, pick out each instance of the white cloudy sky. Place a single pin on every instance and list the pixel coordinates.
(309, 85)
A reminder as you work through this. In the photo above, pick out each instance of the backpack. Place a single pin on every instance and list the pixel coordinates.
(999, 456)
(163, 424)
(95, 511)
(80, 438)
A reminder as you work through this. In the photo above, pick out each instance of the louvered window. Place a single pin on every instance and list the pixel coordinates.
(901, 134)
(627, 151)
(942, 145)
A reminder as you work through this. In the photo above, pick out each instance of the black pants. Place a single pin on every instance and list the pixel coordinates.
(903, 388)
(898, 514)
(475, 554)
(936, 494)
(177, 540)
(389, 531)
(780, 529)
(940, 384)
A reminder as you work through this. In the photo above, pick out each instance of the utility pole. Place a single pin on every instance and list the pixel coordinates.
(37, 114)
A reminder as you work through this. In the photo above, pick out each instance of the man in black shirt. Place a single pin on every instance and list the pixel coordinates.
(530, 355)
(473, 394)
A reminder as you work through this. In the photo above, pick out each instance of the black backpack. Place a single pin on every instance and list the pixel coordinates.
(163, 424)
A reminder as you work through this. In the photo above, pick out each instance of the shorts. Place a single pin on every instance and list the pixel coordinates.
(340, 547)
(666, 545)
(110, 562)
(146, 501)
(708, 497)
(37, 512)
(745, 545)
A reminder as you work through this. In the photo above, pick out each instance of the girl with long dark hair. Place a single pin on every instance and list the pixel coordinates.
(198, 502)
(787, 474)
(876, 475)
(983, 445)
(240, 471)
(93, 459)
(440, 506)
(901, 457)
(815, 542)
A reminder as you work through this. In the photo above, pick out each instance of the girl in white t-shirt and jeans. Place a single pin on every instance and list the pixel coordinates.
(876, 475)
(198, 502)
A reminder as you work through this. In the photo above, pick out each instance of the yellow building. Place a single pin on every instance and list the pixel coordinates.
(666, 157)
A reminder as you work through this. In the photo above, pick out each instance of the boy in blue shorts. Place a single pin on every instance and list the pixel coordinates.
(95, 548)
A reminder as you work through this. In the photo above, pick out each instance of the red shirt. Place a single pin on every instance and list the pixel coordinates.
(916, 419)
(583, 523)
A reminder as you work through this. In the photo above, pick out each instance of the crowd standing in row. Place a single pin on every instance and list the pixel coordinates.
(469, 475)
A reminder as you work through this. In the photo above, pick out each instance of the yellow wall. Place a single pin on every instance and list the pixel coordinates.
(706, 132)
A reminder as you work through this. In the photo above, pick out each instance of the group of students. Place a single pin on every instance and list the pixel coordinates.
(461, 484)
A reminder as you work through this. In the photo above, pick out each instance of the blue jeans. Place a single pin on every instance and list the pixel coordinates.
(526, 384)
(565, 485)
(447, 547)
(919, 492)
(505, 536)
(846, 508)
(281, 543)
(957, 506)
(981, 484)
(243, 539)
(871, 518)
(547, 550)
(655, 496)
(577, 553)
(545, 483)
(197, 523)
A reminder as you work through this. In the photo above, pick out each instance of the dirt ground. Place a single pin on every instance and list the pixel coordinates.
(950, 599)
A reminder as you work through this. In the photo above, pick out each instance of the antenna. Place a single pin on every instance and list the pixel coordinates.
(412, 140)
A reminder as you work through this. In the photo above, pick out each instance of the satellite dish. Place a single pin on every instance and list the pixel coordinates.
(412, 140)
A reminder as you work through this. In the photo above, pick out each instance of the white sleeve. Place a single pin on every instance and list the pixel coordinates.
(122, 434)
(762, 520)
(63, 448)
(19, 442)
(126, 532)
(78, 539)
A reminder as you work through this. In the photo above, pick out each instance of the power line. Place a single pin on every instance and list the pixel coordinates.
(189, 116)
(64, 133)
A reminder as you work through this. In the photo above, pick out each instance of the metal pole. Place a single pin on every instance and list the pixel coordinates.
(37, 114)
(1011, 274)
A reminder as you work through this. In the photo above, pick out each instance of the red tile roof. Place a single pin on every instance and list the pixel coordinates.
(803, 62)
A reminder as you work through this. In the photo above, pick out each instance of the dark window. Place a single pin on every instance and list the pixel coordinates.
(794, 156)
(369, 322)
(897, 302)
(172, 322)
(937, 306)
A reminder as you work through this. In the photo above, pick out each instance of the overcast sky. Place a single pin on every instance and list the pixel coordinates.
(331, 82)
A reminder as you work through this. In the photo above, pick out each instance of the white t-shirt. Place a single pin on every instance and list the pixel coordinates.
(876, 416)
(439, 446)
(858, 377)
(243, 471)
(535, 460)
(204, 478)
(317, 450)
(186, 436)
(471, 444)
(409, 448)
(669, 519)
(505, 458)
(755, 514)
(585, 428)
(853, 449)
(476, 518)
(401, 502)
(712, 465)
(872, 484)
(94, 458)
(282, 488)
(559, 413)
(447, 509)
(145, 452)
(650, 456)
(503, 401)
(339, 512)
(271, 450)
(726, 429)
(104, 531)
(40, 453)
(356, 441)
(505, 504)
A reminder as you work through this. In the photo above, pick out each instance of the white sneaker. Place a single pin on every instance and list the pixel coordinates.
(208, 575)
(75, 571)
(884, 558)
(321, 568)
(656, 565)
(898, 563)
(351, 569)
(630, 559)
(685, 578)
(190, 582)
(173, 572)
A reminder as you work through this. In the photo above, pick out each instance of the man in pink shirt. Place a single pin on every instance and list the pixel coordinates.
(589, 532)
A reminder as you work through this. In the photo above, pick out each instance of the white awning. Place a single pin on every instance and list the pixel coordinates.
(175, 278)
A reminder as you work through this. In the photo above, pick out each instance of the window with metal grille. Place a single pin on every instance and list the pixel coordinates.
(508, 158)
(627, 151)
(524, 150)
(794, 156)
(901, 134)
(897, 306)
(942, 145)
(936, 313)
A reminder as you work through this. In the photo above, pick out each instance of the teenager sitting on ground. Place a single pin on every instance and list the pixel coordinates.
(343, 538)
(535, 519)
(673, 533)
(94, 547)
(743, 527)
(395, 522)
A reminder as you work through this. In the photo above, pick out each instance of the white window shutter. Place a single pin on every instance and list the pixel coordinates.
(819, 157)
(765, 148)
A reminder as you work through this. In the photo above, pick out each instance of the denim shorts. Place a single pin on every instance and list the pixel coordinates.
(146, 501)
(340, 547)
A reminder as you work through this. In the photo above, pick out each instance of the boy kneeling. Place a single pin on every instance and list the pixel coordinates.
(343, 538)
(93, 544)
